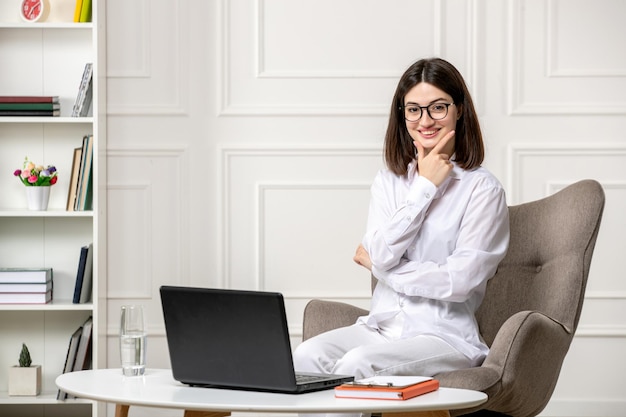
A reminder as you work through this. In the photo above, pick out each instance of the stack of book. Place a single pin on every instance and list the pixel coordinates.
(80, 193)
(82, 11)
(78, 356)
(25, 285)
(30, 106)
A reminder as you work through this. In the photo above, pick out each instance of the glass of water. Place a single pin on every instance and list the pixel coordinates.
(132, 340)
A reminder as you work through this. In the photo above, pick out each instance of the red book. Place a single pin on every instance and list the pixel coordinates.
(387, 388)
(29, 99)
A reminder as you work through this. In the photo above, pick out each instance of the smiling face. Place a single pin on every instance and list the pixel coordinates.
(426, 130)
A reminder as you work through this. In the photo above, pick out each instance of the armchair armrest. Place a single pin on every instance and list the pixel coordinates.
(522, 367)
(321, 316)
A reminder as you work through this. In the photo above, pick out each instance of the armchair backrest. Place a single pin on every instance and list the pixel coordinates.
(547, 264)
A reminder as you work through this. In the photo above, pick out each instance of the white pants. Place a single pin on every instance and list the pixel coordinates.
(362, 352)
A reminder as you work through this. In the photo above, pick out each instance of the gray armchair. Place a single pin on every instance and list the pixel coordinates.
(531, 308)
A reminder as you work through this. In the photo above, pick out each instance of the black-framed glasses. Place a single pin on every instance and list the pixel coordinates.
(436, 111)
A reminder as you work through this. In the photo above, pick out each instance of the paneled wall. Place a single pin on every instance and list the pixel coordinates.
(244, 136)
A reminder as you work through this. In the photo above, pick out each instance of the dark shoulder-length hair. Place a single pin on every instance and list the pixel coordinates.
(399, 149)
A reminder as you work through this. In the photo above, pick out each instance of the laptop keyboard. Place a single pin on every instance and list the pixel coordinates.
(304, 378)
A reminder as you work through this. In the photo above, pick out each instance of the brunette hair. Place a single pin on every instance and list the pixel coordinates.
(399, 150)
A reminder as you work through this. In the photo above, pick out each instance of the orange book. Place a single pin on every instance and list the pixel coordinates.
(387, 388)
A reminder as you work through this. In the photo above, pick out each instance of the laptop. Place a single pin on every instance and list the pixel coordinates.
(234, 339)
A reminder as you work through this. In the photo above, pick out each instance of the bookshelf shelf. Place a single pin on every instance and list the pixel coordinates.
(44, 398)
(48, 120)
(45, 214)
(48, 59)
(59, 25)
(48, 213)
(55, 305)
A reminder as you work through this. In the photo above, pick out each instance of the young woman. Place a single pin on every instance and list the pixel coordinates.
(438, 226)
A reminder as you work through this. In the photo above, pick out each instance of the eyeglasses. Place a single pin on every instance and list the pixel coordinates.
(436, 111)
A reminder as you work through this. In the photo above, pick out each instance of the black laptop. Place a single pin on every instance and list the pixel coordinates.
(234, 339)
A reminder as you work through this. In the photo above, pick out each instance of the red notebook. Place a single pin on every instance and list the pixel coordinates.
(29, 99)
(387, 388)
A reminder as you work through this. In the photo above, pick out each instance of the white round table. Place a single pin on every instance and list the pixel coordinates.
(157, 388)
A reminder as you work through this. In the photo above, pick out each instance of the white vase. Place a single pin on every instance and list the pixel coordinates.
(37, 197)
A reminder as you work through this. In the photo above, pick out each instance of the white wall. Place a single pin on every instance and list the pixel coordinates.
(244, 134)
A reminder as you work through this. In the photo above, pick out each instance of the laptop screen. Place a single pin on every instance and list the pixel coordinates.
(228, 338)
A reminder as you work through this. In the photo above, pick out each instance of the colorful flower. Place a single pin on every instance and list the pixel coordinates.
(36, 175)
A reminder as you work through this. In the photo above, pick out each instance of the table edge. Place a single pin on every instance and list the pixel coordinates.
(378, 406)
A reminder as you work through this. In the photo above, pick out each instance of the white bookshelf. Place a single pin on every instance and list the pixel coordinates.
(48, 58)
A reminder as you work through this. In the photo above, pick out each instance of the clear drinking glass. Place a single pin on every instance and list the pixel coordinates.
(132, 340)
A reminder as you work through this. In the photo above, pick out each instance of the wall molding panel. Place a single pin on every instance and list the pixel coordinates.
(137, 64)
(150, 78)
(265, 56)
(272, 253)
(600, 331)
(546, 74)
(573, 407)
(264, 71)
(133, 278)
(146, 179)
(320, 176)
(557, 166)
(605, 25)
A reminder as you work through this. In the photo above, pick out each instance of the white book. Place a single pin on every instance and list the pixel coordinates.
(26, 298)
(23, 275)
(27, 287)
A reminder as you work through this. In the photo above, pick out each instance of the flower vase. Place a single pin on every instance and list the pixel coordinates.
(37, 197)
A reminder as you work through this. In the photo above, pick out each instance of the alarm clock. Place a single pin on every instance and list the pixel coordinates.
(32, 10)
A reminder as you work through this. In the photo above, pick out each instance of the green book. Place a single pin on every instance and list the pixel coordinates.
(85, 11)
(30, 106)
